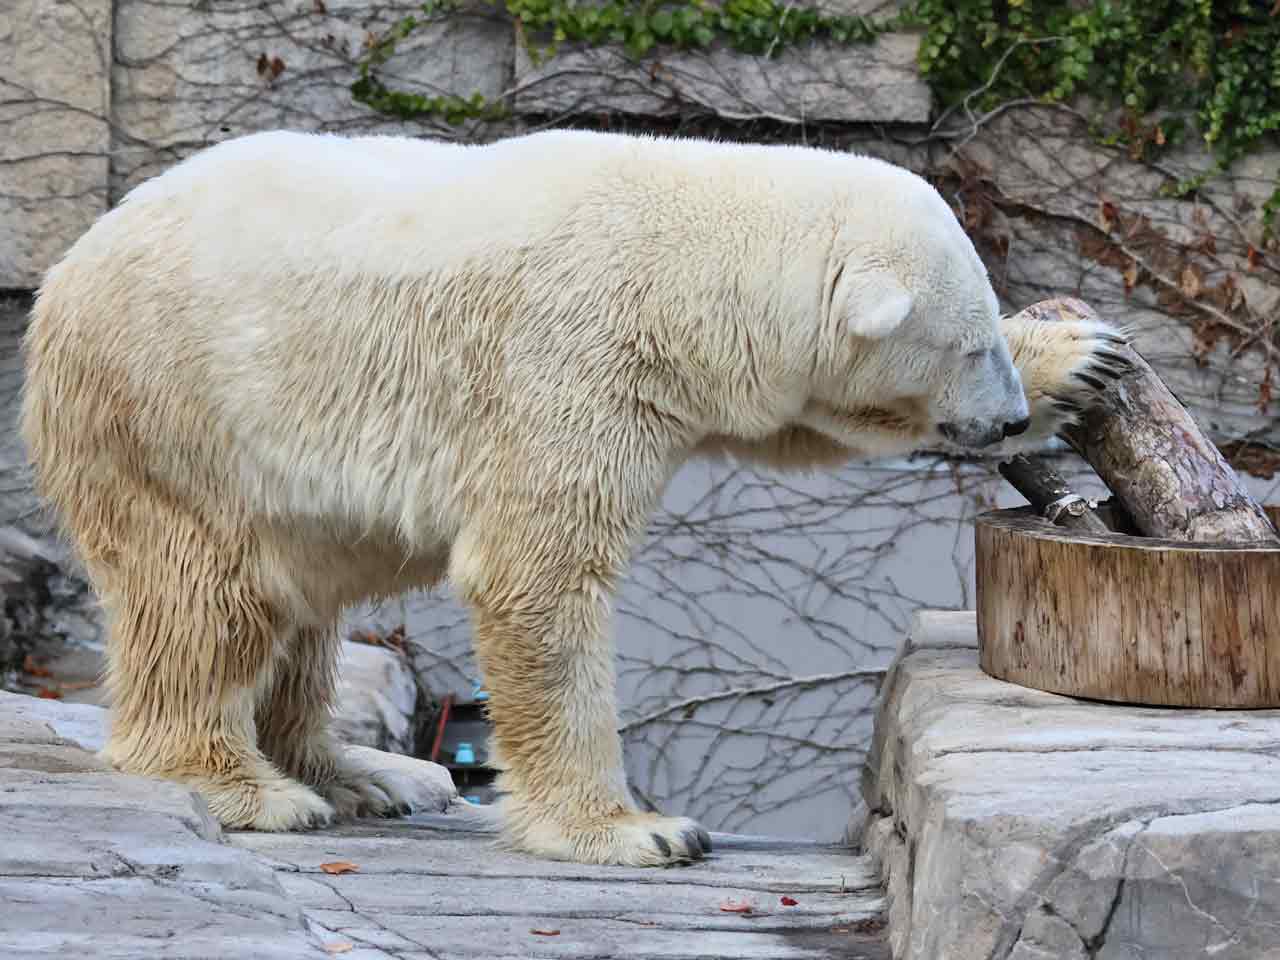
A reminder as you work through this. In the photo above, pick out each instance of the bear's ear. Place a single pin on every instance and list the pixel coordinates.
(873, 304)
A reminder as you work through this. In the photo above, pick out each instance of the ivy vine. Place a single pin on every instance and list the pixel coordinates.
(1166, 68)
(756, 27)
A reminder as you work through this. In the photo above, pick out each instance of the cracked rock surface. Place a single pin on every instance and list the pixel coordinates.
(1011, 823)
(97, 864)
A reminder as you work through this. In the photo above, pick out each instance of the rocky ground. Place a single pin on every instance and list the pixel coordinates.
(97, 864)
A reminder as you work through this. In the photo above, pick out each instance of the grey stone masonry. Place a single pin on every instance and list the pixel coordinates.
(55, 64)
(1012, 824)
(98, 95)
(186, 77)
(819, 82)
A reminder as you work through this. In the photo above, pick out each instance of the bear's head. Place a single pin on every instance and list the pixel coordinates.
(916, 355)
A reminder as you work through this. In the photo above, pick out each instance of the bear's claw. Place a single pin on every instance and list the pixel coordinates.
(373, 783)
(630, 839)
(664, 848)
(698, 840)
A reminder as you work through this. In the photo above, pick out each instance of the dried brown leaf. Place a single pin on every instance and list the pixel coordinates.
(34, 668)
(1131, 276)
(1190, 282)
(1107, 215)
(545, 933)
(338, 867)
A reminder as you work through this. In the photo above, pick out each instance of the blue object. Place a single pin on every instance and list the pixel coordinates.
(464, 754)
(478, 692)
(473, 799)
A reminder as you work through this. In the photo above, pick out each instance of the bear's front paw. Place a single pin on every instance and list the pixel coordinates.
(267, 803)
(1064, 367)
(375, 783)
(631, 839)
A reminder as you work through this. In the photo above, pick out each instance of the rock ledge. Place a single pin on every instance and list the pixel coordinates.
(1016, 824)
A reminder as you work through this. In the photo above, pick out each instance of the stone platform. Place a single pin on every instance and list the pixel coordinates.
(98, 865)
(1021, 825)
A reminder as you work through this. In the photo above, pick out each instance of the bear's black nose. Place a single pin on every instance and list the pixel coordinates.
(1017, 427)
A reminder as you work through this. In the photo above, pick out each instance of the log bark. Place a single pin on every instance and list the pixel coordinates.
(1148, 450)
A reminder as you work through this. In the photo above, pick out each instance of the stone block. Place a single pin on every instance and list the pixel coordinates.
(817, 82)
(377, 698)
(188, 77)
(54, 102)
(32, 720)
(1012, 823)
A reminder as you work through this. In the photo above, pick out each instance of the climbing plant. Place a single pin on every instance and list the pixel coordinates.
(1160, 67)
(1155, 68)
(758, 27)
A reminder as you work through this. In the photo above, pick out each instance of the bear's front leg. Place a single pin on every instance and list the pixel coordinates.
(1063, 364)
(540, 603)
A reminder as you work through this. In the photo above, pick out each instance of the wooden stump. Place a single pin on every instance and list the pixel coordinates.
(1128, 619)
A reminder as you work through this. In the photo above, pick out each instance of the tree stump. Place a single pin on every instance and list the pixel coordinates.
(1167, 597)
(1125, 618)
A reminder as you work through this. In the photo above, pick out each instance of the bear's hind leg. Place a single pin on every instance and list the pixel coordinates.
(293, 720)
(192, 643)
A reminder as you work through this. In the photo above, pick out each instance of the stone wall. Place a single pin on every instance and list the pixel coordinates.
(96, 95)
(1012, 824)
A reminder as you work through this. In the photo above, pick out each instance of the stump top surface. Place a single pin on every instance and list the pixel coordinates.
(1026, 522)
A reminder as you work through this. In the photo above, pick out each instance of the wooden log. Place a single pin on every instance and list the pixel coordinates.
(1128, 619)
(1051, 496)
(1149, 451)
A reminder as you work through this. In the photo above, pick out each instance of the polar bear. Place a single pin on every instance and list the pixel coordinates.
(299, 371)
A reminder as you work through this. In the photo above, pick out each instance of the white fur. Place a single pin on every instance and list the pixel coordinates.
(297, 371)
(740, 239)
